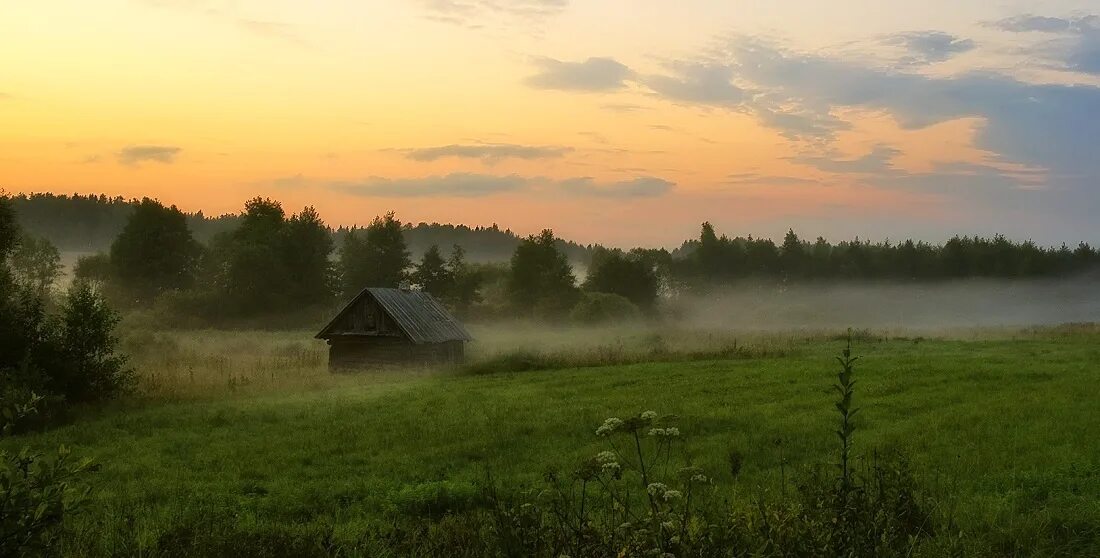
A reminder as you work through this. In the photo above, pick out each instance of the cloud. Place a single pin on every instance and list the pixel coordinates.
(641, 187)
(137, 154)
(487, 152)
(461, 185)
(1076, 48)
(1027, 23)
(699, 83)
(474, 13)
(229, 13)
(1039, 125)
(470, 185)
(272, 30)
(622, 107)
(290, 182)
(752, 178)
(594, 74)
(875, 162)
(928, 47)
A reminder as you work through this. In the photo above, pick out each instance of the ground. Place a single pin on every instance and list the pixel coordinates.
(247, 430)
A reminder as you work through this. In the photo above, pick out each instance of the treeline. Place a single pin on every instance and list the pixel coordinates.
(269, 263)
(275, 266)
(714, 259)
(90, 223)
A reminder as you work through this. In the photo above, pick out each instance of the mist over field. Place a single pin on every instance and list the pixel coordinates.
(925, 306)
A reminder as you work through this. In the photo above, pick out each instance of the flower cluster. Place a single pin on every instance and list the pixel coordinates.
(670, 432)
(662, 491)
(609, 427)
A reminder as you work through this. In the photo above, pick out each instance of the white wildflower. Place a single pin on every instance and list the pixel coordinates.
(649, 415)
(609, 427)
(610, 467)
(672, 495)
(670, 432)
(656, 489)
(605, 457)
(699, 478)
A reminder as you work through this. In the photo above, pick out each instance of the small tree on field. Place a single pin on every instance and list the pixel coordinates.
(792, 256)
(541, 280)
(155, 252)
(466, 289)
(36, 264)
(378, 258)
(432, 275)
(308, 245)
(626, 275)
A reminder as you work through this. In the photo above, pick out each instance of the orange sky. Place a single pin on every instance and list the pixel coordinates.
(339, 104)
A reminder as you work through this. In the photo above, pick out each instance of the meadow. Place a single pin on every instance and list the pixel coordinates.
(245, 435)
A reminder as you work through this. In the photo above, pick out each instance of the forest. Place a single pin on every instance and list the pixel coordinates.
(266, 264)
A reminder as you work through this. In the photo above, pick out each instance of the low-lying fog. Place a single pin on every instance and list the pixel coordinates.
(981, 303)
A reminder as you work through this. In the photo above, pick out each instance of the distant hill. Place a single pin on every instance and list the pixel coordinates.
(90, 223)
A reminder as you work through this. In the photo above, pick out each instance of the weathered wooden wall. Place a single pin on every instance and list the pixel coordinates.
(349, 354)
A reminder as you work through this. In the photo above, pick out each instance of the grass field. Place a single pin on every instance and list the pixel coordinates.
(246, 432)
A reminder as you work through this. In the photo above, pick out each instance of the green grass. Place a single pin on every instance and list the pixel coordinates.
(1002, 429)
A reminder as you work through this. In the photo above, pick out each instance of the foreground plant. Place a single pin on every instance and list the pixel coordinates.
(37, 491)
(639, 497)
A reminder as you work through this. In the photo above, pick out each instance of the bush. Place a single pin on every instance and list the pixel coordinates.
(596, 308)
(77, 355)
(36, 490)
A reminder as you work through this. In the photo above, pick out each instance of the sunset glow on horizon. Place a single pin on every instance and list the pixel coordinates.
(612, 121)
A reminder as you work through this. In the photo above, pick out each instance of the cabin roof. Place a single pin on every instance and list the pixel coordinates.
(419, 315)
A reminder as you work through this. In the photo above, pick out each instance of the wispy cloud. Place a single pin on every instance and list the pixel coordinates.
(623, 107)
(1033, 23)
(137, 154)
(929, 47)
(473, 185)
(487, 152)
(641, 187)
(230, 13)
(698, 83)
(594, 74)
(476, 13)
(463, 185)
(752, 178)
(877, 161)
(273, 30)
(1075, 46)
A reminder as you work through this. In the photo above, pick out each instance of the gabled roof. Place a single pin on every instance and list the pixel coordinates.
(417, 313)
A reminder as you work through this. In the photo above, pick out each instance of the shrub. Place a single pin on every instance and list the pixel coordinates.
(36, 490)
(78, 355)
(595, 308)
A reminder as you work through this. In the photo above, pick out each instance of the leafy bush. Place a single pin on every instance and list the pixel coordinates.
(36, 490)
(596, 308)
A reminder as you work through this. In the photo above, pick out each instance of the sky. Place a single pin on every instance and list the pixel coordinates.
(622, 122)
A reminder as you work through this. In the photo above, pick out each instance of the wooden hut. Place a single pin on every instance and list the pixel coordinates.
(393, 327)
